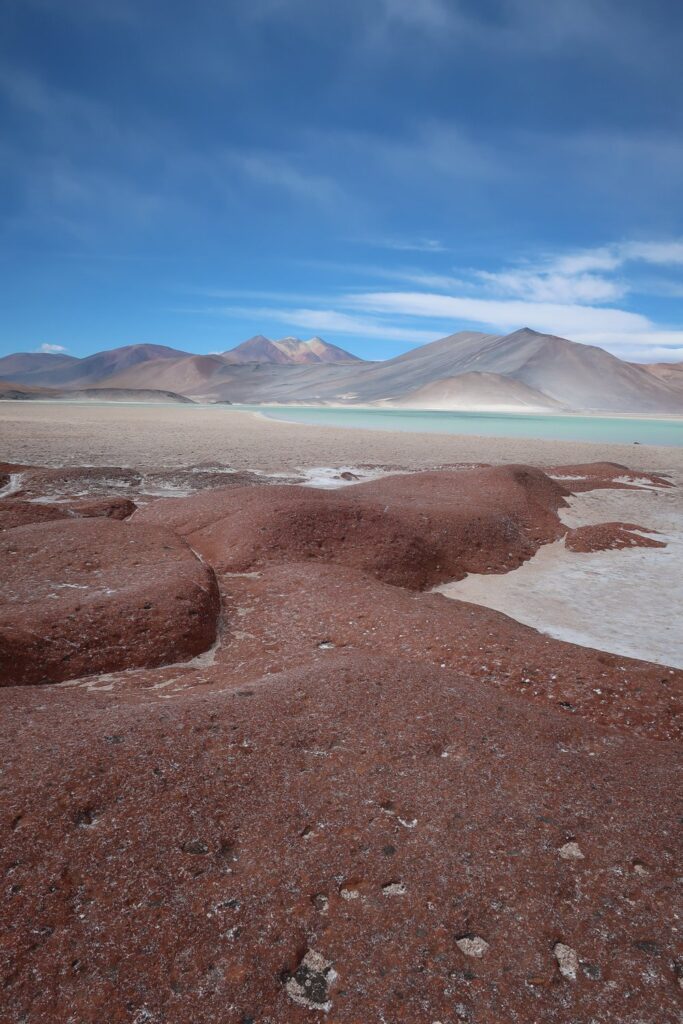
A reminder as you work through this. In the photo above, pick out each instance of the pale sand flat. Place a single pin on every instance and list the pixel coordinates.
(167, 436)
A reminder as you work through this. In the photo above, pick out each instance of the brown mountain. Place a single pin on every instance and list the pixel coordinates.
(525, 369)
(71, 372)
(32, 362)
(260, 349)
(190, 375)
(670, 373)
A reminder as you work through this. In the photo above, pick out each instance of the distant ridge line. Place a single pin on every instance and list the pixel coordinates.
(468, 370)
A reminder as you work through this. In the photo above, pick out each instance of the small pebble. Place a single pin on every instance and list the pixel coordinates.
(394, 889)
(570, 851)
(472, 945)
(567, 959)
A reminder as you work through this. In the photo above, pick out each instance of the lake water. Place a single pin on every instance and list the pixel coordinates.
(619, 430)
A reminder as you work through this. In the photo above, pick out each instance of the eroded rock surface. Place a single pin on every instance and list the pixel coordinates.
(610, 536)
(186, 850)
(15, 512)
(97, 595)
(410, 532)
(367, 803)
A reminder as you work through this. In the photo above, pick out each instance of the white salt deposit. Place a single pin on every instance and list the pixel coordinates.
(627, 602)
(329, 477)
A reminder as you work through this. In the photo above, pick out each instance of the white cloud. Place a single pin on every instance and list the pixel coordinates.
(554, 287)
(586, 261)
(653, 344)
(611, 257)
(47, 347)
(650, 354)
(662, 253)
(586, 277)
(553, 318)
(573, 295)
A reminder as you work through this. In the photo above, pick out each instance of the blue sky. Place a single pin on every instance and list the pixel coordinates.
(379, 172)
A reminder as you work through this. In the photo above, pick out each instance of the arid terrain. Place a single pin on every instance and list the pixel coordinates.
(256, 770)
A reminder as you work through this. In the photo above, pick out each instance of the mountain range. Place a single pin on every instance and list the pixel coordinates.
(524, 370)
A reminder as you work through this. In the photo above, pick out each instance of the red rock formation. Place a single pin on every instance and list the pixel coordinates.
(411, 532)
(15, 512)
(108, 508)
(96, 595)
(606, 536)
(370, 802)
(589, 476)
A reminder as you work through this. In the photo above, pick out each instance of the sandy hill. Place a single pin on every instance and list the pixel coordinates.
(9, 391)
(670, 373)
(478, 391)
(28, 393)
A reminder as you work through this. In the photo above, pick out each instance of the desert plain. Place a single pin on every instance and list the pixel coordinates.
(256, 769)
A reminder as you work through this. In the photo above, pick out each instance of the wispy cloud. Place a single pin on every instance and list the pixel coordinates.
(521, 26)
(282, 173)
(431, 16)
(553, 287)
(549, 317)
(572, 294)
(405, 244)
(661, 253)
(585, 277)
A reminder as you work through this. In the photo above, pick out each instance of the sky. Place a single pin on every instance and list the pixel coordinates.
(377, 172)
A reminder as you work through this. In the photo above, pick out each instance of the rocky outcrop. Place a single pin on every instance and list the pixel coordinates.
(96, 595)
(411, 532)
(368, 803)
(14, 512)
(610, 537)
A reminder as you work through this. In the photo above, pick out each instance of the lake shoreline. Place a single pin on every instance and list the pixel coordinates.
(666, 431)
(181, 435)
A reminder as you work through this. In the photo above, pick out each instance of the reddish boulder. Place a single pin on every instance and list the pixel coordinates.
(15, 512)
(95, 595)
(108, 508)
